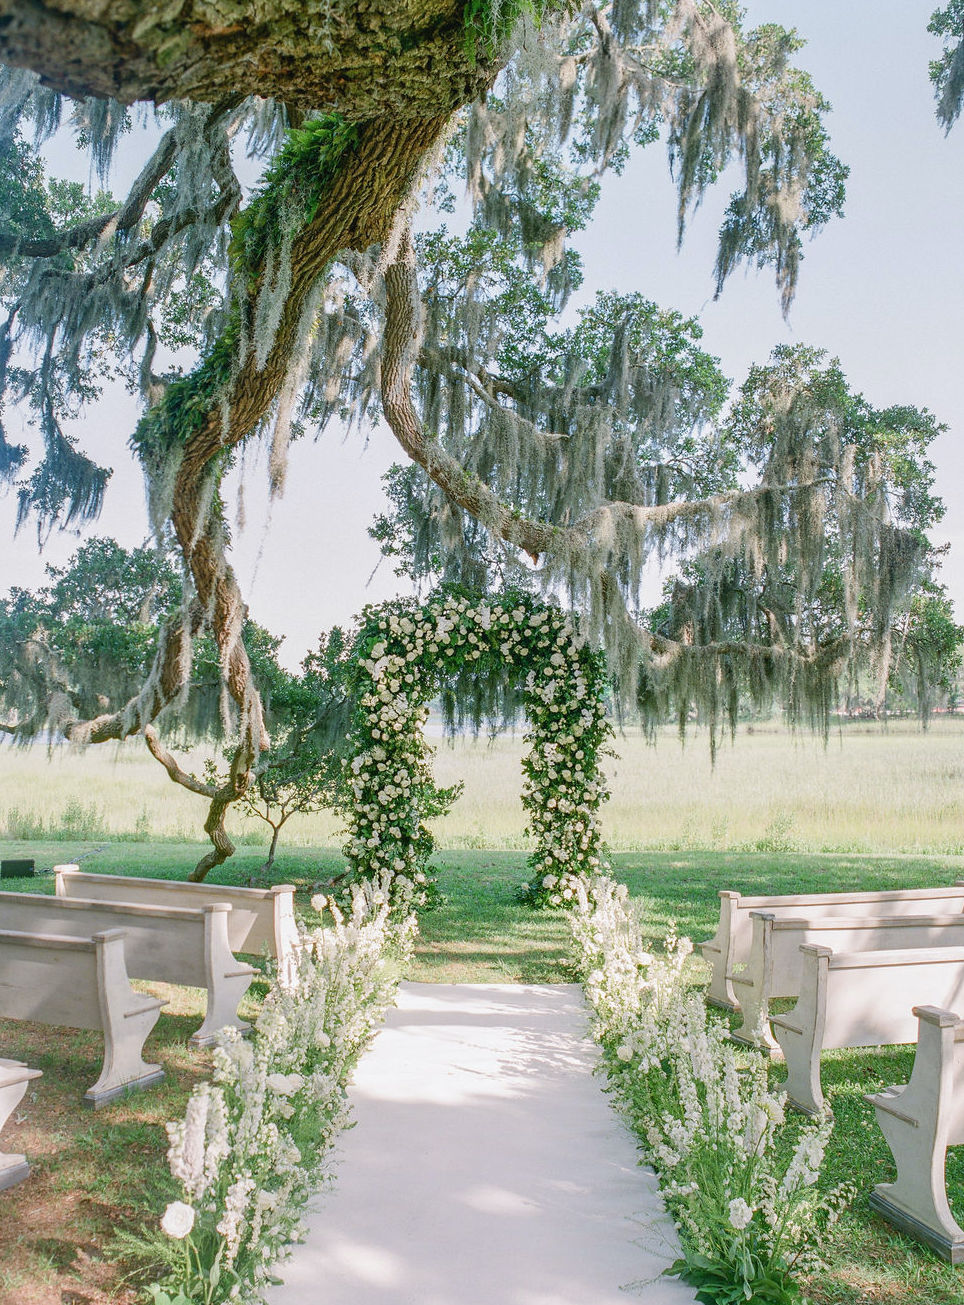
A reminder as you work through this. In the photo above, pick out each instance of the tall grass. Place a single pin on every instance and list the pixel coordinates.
(870, 789)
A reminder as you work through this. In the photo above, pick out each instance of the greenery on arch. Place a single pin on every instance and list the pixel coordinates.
(402, 656)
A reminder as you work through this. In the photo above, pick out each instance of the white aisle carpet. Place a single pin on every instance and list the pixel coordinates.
(487, 1167)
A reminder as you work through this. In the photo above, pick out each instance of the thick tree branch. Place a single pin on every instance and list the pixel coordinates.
(402, 349)
(122, 219)
(174, 770)
(318, 54)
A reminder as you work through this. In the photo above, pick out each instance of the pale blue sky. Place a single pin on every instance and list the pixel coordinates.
(883, 290)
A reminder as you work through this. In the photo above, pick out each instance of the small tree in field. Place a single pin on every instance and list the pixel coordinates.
(301, 773)
(295, 784)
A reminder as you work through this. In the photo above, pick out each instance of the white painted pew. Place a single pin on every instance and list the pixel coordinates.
(859, 999)
(169, 944)
(82, 983)
(261, 918)
(920, 1121)
(730, 945)
(774, 966)
(14, 1077)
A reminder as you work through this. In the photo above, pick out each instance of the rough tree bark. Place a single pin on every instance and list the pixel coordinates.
(365, 60)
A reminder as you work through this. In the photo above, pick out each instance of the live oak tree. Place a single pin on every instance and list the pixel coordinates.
(310, 299)
(908, 639)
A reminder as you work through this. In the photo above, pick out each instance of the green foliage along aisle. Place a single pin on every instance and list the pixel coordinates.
(750, 1221)
(402, 655)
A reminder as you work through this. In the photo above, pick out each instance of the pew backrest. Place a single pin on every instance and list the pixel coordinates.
(54, 979)
(261, 918)
(731, 943)
(775, 964)
(171, 944)
(868, 998)
(845, 934)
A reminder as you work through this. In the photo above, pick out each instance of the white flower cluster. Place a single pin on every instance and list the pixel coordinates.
(405, 651)
(707, 1122)
(256, 1141)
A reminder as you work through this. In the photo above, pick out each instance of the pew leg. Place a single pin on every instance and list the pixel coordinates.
(124, 1068)
(13, 1168)
(917, 1202)
(224, 997)
(802, 1084)
(720, 991)
(755, 1029)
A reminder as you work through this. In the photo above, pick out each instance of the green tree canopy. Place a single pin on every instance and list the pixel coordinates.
(947, 72)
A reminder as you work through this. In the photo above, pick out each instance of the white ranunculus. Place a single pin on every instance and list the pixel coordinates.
(178, 1219)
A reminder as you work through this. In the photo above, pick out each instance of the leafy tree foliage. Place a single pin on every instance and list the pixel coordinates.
(81, 646)
(947, 72)
(302, 771)
(724, 601)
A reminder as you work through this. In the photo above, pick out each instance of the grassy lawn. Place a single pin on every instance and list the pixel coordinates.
(97, 1173)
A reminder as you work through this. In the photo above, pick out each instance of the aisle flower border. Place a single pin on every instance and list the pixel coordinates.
(256, 1141)
(401, 656)
(751, 1222)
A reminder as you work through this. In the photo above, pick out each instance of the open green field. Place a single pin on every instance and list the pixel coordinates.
(873, 811)
(870, 789)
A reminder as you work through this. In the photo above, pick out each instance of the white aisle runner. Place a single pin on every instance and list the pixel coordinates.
(486, 1168)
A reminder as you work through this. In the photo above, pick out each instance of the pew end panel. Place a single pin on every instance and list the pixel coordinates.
(800, 1032)
(14, 1078)
(226, 978)
(719, 953)
(919, 1121)
(127, 1017)
(755, 985)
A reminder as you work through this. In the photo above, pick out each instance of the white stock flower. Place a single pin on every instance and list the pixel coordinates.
(740, 1214)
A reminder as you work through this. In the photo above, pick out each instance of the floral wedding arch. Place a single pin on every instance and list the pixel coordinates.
(402, 656)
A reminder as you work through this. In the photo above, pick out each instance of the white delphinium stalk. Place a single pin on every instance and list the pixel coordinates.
(256, 1141)
(705, 1114)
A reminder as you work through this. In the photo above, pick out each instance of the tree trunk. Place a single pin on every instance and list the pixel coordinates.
(357, 212)
(276, 830)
